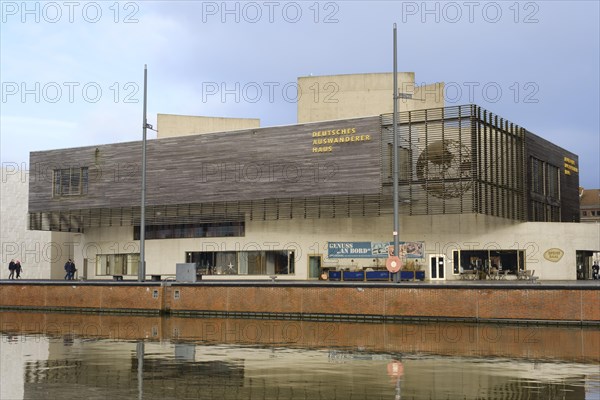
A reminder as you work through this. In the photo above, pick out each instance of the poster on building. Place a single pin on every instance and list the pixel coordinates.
(407, 249)
(373, 249)
(349, 250)
(413, 249)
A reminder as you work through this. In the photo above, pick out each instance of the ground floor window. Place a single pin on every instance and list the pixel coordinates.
(117, 264)
(273, 262)
(485, 260)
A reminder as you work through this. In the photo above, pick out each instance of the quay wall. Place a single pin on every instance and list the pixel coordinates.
(80, 295)
(335, 301)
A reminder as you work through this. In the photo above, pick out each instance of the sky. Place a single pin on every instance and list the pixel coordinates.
(72, 71)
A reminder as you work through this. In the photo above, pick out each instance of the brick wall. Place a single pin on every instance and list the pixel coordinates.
(81, 295)
(533, 303)
(541, 303)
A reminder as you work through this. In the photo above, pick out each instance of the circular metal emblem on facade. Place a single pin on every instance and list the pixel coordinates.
(445, 168)
(393, 264)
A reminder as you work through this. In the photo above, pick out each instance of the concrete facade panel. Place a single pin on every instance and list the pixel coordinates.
(169, 125)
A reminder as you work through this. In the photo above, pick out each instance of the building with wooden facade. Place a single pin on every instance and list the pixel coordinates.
(476, 192)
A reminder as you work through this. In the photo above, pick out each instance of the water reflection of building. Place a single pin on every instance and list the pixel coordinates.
(17, 353)
(569, 344)
(242, 358)
(233, 372)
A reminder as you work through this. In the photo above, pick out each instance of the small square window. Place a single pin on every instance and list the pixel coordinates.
(70, 182)
(155, 294)
(176, 295)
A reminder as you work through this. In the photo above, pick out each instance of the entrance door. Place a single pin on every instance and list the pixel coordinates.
(314, 266)
(437, 265)
(583, 260)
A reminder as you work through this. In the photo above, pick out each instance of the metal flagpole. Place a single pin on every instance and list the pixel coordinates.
(142, 266)
(395, 158)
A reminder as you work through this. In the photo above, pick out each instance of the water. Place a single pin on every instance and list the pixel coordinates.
(68, 356)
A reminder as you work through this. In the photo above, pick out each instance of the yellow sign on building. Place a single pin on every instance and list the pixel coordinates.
(554, 254)
(570, 166)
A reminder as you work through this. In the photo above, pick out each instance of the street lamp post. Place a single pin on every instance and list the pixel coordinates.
(395, 159)
(142, 266)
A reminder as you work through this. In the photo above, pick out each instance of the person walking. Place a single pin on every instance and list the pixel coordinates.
(68, 270)
(72, 270)
(11, 268)
(18, 269)
(595, 270)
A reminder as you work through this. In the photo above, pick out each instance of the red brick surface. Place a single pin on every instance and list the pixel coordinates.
(527, 303)
(481, 303)
(80, 296)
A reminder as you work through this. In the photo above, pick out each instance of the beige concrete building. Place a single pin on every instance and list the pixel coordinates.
(310, 200)
(42, 254)
(169, 125)
(331, 97)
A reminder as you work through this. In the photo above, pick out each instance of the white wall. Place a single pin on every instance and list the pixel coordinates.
(441, 234)
(42, 254)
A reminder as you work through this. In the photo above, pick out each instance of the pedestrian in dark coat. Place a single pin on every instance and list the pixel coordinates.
(68, 270)
(18, 269)
(72, 270)
(11, 268)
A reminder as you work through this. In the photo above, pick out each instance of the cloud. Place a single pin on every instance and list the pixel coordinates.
(189, 44)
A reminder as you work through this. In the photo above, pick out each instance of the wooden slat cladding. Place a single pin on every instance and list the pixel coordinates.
(459, 159)
(261, 210)
(453, 160)
(248, 165)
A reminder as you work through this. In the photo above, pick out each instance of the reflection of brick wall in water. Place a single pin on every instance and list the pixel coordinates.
(448, 339)
(92, 325)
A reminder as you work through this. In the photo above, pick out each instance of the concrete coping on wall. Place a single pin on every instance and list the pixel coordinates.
(50, 282)
(511, 285)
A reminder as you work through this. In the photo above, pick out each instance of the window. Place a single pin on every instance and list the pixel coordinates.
(538, 212)
(537, 176)
(545, 187)
(273, 262)
(70, 182)
(484, 260)
(455, 262)
(553, 182)
(179, 231)
(117, 264)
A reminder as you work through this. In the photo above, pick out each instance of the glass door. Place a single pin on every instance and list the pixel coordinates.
(314, 266)
(437, 265)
